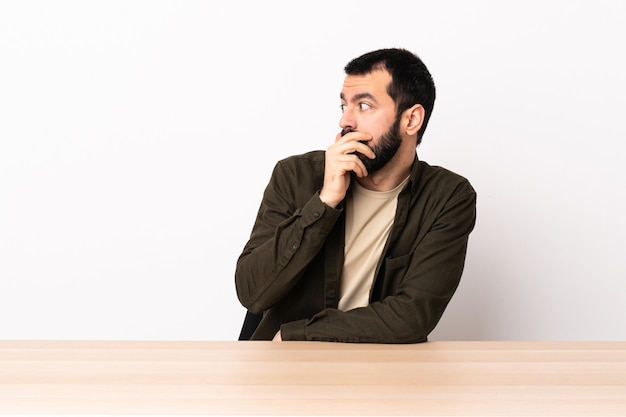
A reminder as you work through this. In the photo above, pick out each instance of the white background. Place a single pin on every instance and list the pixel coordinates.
(136, 138)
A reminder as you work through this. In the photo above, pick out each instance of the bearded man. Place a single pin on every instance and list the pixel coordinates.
(362, 242)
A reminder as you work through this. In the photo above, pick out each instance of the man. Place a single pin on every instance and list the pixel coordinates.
(362, 242)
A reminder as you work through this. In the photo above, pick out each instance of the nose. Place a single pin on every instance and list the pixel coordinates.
(347, 122)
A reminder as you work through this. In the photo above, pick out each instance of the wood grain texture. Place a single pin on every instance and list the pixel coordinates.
(312, 378)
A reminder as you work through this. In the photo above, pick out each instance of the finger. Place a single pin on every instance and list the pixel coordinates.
(354, 136)
(352, 147)
(359, 169)
(345, 146)
(351, 163)
(364, 149)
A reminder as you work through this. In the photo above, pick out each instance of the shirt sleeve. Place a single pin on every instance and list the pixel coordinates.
(291, 227)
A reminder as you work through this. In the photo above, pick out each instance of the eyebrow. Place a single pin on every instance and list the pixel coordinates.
(360, 96)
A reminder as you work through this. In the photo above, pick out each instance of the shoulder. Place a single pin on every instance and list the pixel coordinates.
(310, 162)
(308, 158)
(304, 171)
(439, 180)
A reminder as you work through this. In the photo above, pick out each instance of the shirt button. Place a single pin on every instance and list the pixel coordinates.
(294, 246)
(316, 214)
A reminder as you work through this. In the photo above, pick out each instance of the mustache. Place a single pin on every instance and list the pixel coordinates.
(347, 130)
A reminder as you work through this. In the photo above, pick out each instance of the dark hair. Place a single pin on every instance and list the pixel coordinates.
(411, 82)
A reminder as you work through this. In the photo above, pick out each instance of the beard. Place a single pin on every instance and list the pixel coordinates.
(385, 149)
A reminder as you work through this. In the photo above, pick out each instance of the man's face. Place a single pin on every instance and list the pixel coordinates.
(368, 108)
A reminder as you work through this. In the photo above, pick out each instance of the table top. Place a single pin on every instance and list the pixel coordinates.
(312, 378)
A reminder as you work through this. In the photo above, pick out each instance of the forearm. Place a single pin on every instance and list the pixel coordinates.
(407, 317)
(278, 252)
(362, 325)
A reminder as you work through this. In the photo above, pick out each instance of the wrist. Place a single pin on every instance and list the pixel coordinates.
(330, 201)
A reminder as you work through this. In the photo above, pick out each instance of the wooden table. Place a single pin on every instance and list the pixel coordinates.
(312, 378)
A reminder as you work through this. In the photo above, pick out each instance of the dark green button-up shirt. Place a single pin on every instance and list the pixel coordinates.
(291, 266)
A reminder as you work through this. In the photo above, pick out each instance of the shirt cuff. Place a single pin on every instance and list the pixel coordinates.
(293, 330)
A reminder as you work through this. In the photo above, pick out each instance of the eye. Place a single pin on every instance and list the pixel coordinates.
(364, 106)
(342, 107)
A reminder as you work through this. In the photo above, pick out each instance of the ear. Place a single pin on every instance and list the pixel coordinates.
(414, 117)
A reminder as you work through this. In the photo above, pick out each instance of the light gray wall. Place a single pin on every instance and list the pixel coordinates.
(136, 138)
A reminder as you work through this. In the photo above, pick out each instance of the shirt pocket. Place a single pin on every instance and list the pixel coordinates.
(395, 270)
